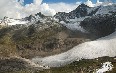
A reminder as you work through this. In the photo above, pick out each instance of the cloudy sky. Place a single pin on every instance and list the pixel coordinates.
(65, 1)
(22, 8)
(56, 1)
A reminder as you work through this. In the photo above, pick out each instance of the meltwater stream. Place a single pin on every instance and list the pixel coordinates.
(105, 46)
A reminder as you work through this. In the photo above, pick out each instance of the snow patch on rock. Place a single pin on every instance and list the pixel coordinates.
(107, 66)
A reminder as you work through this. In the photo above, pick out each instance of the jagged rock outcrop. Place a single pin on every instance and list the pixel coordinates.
(35, 18)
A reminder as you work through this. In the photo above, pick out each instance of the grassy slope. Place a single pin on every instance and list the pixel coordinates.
(83, 66)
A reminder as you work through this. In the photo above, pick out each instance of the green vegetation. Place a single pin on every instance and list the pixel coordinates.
(83, 66)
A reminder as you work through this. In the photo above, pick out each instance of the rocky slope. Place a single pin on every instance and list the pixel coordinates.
(13, 64)
(100, 25)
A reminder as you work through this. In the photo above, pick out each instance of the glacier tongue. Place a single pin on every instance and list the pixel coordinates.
(104, 46)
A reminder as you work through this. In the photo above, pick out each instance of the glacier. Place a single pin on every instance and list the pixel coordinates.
(104, 46)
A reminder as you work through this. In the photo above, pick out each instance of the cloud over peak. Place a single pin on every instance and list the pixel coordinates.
(16, 8)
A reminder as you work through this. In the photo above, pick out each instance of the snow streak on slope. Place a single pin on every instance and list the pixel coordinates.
(89, 50)
(14, 22)
(74, 24)
(107, 66)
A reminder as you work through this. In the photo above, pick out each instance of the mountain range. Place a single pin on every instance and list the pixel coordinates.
(40, 35)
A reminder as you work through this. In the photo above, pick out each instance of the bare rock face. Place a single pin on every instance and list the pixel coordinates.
(100, 25)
